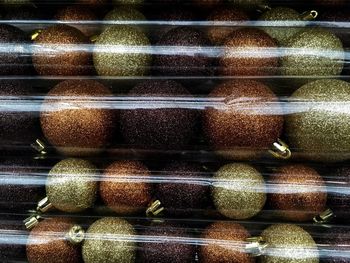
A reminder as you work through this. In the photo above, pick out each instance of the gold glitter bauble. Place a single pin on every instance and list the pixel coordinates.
(288, 243)
(109, 240)
(71, 185)
(318, 128)
(238, 191)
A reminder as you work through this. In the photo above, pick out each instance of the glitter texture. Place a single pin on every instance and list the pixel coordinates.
(14, 238)
(71, 185)
(74, 118)
(132, 193)
(319, 127)
(109, 240)
(124, 14)
(298, 193)
(110, 56)
(335, 245)
(47, 243)
(224, 243)
(288, 244)
(238, 191)
(248, 4)
(57, 52)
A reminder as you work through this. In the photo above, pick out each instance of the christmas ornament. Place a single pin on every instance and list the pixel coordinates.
(186, 193)
(335, 244)
(58, 51)
(125, 187)
(245, 121)
(318, 125)
(14, 57)
(184, 53)
(54, 240)
(249, 52)
(125, 13)
(158, 124)
(165, 243)
(238, 191)
(230, 248)
(109, 240)
(313, 52)
(75, 119)
(297, 192)
(249, 4)
(218, 34)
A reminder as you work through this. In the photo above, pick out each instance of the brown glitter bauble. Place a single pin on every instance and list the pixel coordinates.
(74, 118)
(297, 192)
(60, 50)
(225, 244)
(246, 120)
(47, 243)
(124, 187)
(217, 34)
(249, 52)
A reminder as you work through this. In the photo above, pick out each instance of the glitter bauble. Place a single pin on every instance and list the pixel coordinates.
(249, 4)
(163, 243)
(334, 245)
(218, 34)
(186, 193)
(109, 240)
(47, 242)
(246, 122)
(184, 53)
(288, 243)
(74, 117)
(122, 51)
(238, 191)
(319, 123)
(124, 187)
(71, 185)
(297, 193)
(125, 13)
(234, 234)
(249, 52)
(153, 127)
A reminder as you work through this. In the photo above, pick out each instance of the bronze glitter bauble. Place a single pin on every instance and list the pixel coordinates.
(297, 193)
(61, 50)
(218, 34)
(226, 244)
(238, 191)
(75, 119)
(124, 187)
(249, 52)
(288, 243)
(313, 52)
(319, 123)
(71, 185)
(47, 243)
(109, 240)
(122, 51)
(246, 121)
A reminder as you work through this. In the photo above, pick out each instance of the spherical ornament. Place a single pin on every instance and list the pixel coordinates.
(249, 4)
(313, 52)
(47, 242)
(125, 13)
(18, 125)
(298, 192)
(234, 234)
(74, 118)
(186, 193)
(335, 245)
(178, 57)
(110, 56)
(14, 58)
(218, 34)
(318, 127)
(288, 243)
(56, 52)
(248, 122)
(124, 187)
(71, 185)
(165, 243)
(248, 52)
(238, 191)
(103, 242)
(153, 127)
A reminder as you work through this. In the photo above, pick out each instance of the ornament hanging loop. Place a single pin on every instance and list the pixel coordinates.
(324, 217)
(75, 235)
(255, 246)
(280, 150)
(32, 221)
(40, 147)
(309, 15)
(154, 209)
(44, 205)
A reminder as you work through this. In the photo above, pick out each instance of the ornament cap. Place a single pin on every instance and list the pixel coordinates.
(39, 146)
(255, 246)
(75, 235)
(280, 150)
(263, 8)
(35, 34)
(32, 221)
(324, 217)
(154, 209)
(44, 205)
(309, 15)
